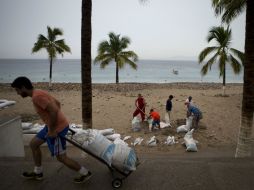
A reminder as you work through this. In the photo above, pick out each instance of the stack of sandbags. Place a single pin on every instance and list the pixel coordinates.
(93, 141)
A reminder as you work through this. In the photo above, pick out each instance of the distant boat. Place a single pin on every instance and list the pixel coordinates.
(175, 72)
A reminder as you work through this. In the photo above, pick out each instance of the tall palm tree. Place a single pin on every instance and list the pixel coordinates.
(223, 54)
(113, 50)
(86, 38)
(229, 9)
(86, 61)
(52, 45)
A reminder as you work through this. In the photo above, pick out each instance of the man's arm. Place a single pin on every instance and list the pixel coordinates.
(52, 110)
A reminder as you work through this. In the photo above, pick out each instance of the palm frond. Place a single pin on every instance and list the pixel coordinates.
(103, 47)
(131, 63)
(105, 62)
(238, 54)
(131, 55)
(101, 57)
(203, 54)
(235, 64)
(209, 64)
(61, 44)
(233, 9)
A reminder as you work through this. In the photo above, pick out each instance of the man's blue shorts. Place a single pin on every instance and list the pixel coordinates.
(56, 145)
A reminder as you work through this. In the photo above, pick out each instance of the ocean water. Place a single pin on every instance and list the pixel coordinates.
(148, 71)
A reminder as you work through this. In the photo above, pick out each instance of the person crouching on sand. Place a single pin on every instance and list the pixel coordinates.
(155, 116)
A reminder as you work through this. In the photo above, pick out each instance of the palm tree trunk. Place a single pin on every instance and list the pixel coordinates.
(117, 73)
(244, 143)
(50, 72)
(86, 37)
(224, 80)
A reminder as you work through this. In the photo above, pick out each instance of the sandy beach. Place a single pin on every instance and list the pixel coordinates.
(113, 106)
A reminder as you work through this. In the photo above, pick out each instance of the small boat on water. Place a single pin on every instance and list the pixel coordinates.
(175, 72)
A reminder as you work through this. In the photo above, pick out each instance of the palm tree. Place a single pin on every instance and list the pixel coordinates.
(86, 38)
(222, 53)
(112, 50)
(229, 9)
(52, 46)
(86, 61)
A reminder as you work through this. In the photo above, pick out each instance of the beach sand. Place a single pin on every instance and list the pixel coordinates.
(113, 106)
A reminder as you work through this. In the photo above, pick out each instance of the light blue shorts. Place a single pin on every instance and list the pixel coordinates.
(56, 145)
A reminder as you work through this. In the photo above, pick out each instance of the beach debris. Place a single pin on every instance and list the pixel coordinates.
(137, 141)
(152, 141)
(170, 140)
(189, 142)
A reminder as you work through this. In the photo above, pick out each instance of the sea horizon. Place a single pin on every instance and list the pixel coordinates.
(148, 71)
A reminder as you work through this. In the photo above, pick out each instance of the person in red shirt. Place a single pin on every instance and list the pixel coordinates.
(156, 118)
(140, 107)
(56, 127)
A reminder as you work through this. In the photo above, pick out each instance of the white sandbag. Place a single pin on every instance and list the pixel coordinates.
(113, 136)
(120, 141)
(185, 128)
(135, 124)
(164, 125)
(170, 140)
(34, 129)
(26, 125)
(152, 141)
(106, 132)
(181, 129)
(124, 158)
(189, 122)
(126, 138)
(167, 118)
(138, 141)
(190, 143)
(96, 143)
(5, 103)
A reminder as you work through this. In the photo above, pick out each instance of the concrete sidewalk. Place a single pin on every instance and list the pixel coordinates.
(193, 171)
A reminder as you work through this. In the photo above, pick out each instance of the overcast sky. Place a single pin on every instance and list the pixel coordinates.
(158, 29)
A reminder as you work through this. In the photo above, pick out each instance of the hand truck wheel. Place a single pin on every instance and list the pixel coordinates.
(117, 183)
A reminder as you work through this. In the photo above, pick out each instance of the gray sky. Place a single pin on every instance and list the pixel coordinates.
(159, 29)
